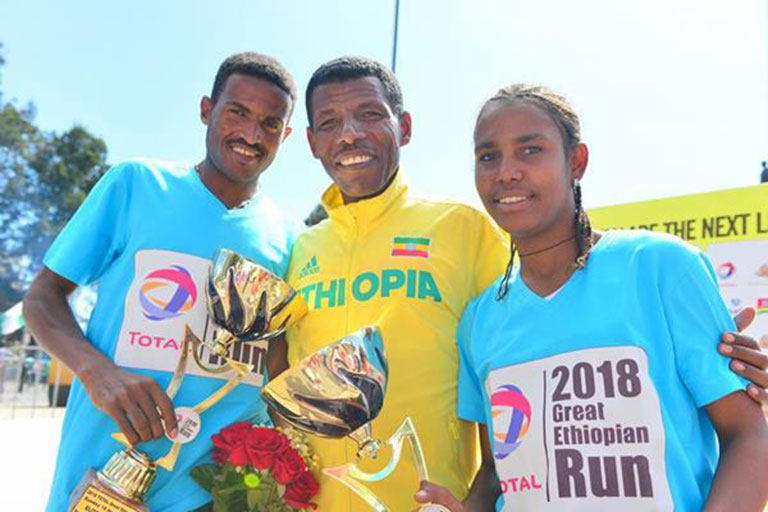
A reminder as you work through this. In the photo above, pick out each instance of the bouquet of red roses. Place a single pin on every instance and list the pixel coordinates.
(259, 469)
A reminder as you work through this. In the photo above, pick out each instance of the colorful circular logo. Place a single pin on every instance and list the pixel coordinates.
(167, 293)
(726, 270)
(511, 414)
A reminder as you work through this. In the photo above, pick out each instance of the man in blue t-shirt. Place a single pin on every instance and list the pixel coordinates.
(146, 234)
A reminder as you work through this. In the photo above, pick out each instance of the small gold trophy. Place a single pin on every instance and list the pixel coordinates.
(337, 392)
(249, 304)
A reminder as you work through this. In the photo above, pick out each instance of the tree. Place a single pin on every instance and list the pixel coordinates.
(44, 177)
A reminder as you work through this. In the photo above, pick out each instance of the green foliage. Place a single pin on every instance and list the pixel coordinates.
(205, 475)
(44, 177)
(230, 494)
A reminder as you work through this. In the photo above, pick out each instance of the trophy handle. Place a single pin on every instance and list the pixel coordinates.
(350, 475)
(190, 340)
(193, 343)
(168, 461)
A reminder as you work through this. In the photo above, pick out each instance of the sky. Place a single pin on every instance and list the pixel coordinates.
(673, 96)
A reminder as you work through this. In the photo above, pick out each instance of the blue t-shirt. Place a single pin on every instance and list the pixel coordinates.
(593, 397)
(147, 233)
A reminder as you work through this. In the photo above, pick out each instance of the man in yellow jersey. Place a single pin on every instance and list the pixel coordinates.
(385, 258)
(404, 264)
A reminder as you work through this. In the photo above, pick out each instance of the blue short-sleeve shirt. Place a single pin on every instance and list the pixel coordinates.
(593, 396)
(146, 235)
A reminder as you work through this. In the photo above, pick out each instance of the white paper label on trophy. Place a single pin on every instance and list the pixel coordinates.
(188, 425)
(168, 292)
(580, 430)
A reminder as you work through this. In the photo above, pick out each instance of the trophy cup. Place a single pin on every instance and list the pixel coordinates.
(337, 392)
(249, 304)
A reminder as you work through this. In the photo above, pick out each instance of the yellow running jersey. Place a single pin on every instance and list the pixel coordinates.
(409, 266)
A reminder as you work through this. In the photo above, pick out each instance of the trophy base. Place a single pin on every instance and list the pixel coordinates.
(91, 495)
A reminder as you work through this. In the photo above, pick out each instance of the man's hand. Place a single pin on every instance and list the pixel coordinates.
(135, 402)
(432, 493)
(748, 360)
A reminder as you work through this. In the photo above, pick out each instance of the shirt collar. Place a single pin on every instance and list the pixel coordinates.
(366, 211)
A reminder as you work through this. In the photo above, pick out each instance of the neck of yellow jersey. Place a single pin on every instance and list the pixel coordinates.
(366, 212)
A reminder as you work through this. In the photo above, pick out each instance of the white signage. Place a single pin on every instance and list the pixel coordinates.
(167, 293)
(579, 431)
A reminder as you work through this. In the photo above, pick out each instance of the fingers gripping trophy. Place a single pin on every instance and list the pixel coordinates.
(249, 304)
(337, 392)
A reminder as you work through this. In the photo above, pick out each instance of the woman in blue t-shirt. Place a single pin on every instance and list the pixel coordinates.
(590, 366)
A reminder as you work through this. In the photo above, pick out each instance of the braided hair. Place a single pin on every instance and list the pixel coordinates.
(563, 115)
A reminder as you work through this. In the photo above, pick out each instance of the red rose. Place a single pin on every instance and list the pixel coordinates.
(232, 435)
(238, 456)
(262, 445)
(230, 444)
(298, 492)
(220, 456)
(288, 465)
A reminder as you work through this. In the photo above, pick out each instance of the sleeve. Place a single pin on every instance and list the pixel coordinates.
(296, 256)
(95, 235)
(491, 254)
(470, 390)
(697, 317)
(293, 230)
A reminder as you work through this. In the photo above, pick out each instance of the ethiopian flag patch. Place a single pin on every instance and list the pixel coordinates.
(762, 306)
(410, 246)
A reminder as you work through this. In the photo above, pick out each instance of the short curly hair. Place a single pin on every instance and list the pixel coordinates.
(350, 68)
(259, 66)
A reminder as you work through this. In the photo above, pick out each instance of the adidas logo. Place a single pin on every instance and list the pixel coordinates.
(310, 268)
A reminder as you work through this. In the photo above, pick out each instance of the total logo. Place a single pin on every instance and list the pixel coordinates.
(167, 293)
(726, 270)
(511, 413)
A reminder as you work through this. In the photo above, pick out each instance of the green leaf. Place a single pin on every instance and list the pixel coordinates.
(232, 489)
(254, 498)
(220, 505)
(205, 475)
(232, 500)
(231, 476)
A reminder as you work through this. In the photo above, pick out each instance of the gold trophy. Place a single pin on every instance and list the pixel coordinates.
(249, 304)
(337, 392)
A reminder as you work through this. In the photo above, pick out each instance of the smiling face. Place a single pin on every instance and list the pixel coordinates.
(357, 136)
(523, 172)
(246, 125)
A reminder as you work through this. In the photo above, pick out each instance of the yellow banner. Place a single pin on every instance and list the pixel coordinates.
(702, 219)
